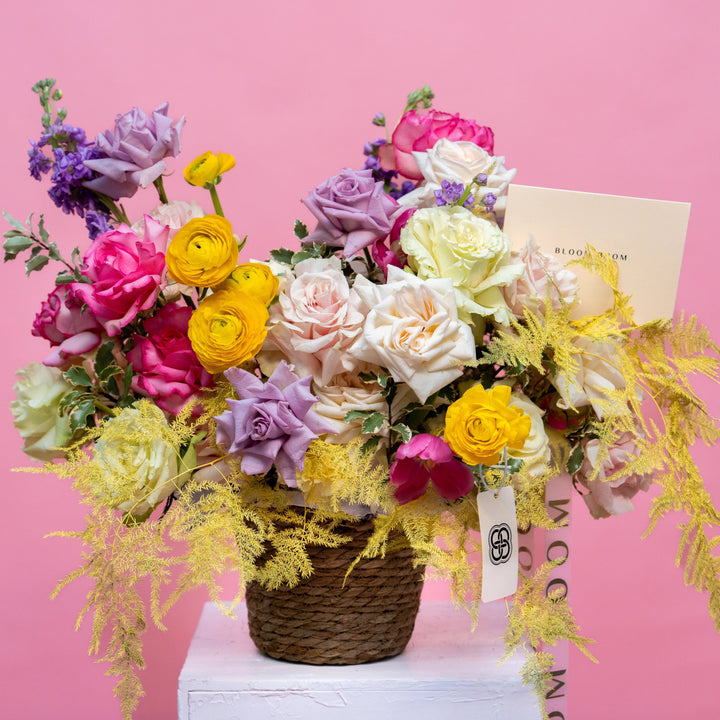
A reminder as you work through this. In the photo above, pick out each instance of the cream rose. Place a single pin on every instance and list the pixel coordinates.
(450, 242)
(35, 411)
(412, 329)
(596, 374)
(462, 162)
(316, 319)
(542, 273)
(136, 460)
(536, 450)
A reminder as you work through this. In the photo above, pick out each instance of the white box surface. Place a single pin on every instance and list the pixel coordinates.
(447, 671)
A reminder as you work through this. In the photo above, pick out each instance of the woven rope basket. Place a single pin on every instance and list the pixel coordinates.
(322, 622)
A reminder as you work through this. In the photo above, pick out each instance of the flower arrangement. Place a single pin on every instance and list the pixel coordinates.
(402, 361)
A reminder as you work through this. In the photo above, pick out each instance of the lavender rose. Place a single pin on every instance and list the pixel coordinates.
(352, 210)
(134, 153)
(272, 422)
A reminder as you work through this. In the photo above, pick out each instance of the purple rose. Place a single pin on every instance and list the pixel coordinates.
(272, 422)
(352, 210)
(69, 327)
(424, 459)
(134, 153)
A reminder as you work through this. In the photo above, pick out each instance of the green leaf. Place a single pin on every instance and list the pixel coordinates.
(370, 445)
(44, 235)
(282, 255)
(302, 255)
(64, 278)
(72, 398)
(356, 414)
(383, 378)
(53, 252)
(104, 359)
(15, 245)
(80, 414)
(403, 430)
(575, 460)
(373, 423)
(241, 244)
(15, 223)
(300, 230)
(77, 375)
(37, 262)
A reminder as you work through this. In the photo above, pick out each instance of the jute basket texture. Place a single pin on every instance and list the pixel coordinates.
(323, 622)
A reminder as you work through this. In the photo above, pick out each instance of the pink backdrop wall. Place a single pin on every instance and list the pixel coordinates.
(618, 97)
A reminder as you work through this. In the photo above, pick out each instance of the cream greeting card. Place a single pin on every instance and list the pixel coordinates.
(645, 237)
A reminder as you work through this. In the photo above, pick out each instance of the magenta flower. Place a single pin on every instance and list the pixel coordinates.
(164, 364)
(271, 423)
(69, 328)
(125, 273)
(426, 459)
(352, 210)
(134, 154)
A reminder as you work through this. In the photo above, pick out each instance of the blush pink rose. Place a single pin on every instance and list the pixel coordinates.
(611, 497)
(66, 326)
(316, 320)
(419, 132)
(125, 274)
(165, 366)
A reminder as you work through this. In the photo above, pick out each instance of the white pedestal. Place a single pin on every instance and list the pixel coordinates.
(445, 672)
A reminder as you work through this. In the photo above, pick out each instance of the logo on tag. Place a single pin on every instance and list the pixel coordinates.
(500, 540)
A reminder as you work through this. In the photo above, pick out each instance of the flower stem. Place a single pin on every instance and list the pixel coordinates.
(158, 183)
(216, 201)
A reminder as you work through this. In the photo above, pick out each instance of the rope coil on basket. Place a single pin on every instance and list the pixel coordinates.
(322, 622)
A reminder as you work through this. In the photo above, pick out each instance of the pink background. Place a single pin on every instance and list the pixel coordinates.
(620, 97)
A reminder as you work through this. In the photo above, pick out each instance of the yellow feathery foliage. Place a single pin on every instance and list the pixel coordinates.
(537, 619)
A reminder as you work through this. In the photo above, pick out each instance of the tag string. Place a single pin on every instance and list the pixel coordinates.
(504, 477)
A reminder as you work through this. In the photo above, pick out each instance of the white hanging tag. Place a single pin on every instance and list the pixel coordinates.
(498, 528)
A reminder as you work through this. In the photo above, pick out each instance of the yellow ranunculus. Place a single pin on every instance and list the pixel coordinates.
(203, 252)
(207, 168)
(482, 422)
(227, 329)
(255, 279)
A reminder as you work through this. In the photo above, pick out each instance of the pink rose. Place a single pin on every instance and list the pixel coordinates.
(352, 211)
(543, 273)
(125, 273)
(66, 326)
(316, 320)
(605, 498)
(418, 133)
(165, 366)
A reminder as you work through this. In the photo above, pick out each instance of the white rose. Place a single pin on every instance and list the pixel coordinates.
(315, 321)
(174, 214)
(451, 242)
(412, 329)
(597, 373)
(462, 162)
(542, 273)
(35, 411)
(137, 461)
(536, 451)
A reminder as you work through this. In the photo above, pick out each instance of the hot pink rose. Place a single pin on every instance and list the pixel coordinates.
(66, 326)
(125, 273)
(165, 366)
(418, 133)
(605, 498)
